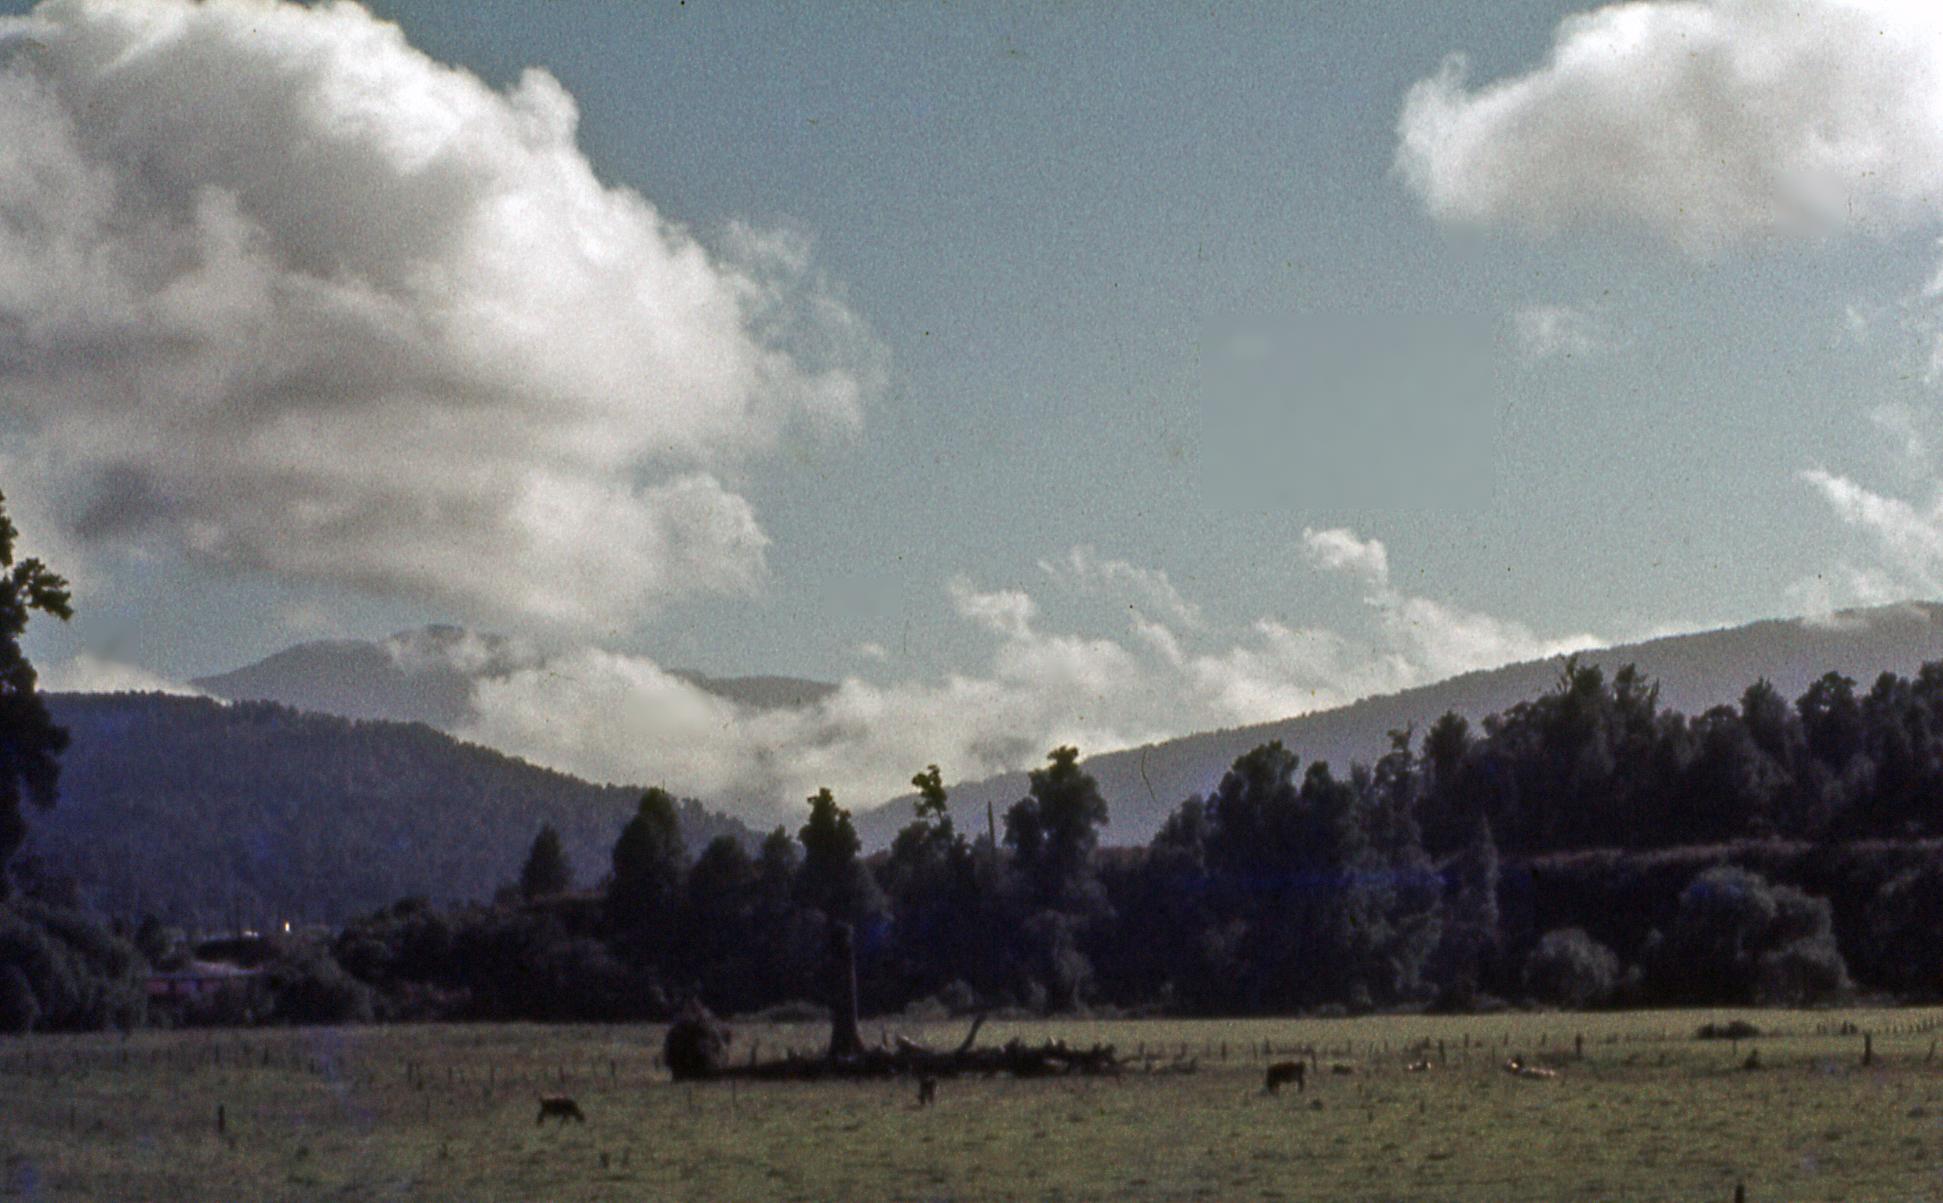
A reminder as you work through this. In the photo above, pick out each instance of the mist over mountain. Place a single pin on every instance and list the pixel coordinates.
(1695, 672)
(428, 675)
(431, 675)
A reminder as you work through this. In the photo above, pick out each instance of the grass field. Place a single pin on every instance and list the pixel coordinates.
(448, 1113)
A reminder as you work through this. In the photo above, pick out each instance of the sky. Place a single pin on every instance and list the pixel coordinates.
(1088, 373)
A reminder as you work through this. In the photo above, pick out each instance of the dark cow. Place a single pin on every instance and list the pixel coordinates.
(559, 1105)
(1287, 1071)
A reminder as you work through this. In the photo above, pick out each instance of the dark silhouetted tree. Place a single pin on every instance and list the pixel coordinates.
(932, 882)
(1471, 920)
(1903, 932)
(546, 871)
(718, 944)
(833, 879)
(1054, 830)
(648, 864)
(933, 809)
(18, 1007)
(30, 743)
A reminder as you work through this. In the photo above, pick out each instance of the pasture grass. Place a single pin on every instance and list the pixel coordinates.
(447, 1112)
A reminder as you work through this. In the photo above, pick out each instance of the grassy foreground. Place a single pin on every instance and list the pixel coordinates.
(448, 1113)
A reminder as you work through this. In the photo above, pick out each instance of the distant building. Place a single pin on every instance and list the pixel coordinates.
(201, 979)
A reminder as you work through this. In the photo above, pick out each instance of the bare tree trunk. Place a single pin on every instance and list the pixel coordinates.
(845, 1041)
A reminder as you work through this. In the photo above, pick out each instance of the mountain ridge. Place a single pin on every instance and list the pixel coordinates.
(192, 809)
(426, 675)
(1144, 784)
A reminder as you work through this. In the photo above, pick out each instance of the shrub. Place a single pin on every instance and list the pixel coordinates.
(308, 986)
(1738, 939)
(1739, 1029)
(1571, 969)
(18, 1010)
(1902, 927)
(926, 1010)
(798, 1011)
(958, 997)
(1804, 972)
(82, 976)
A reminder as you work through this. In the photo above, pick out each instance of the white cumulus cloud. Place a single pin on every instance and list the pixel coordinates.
(1341, 550)
(284, 294)
(1706, 121)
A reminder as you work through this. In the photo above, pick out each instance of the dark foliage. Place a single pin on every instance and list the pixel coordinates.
(833, 879)
(546, 870)
(1528, 859)
(78, 975)
(1290, 888)
(1571, 969)
(19, 1009)
(306, 985)
(645, 892)
(30, 741)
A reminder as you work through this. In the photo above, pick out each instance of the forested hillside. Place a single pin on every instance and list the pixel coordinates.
(1692, 673)
(194, 810)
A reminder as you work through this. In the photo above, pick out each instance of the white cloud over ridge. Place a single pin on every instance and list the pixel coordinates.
(1429, 640)
(1085, 571)
(1907, 539)
(91, 673)
(623, 718)
(1706, 121)
(282, 293)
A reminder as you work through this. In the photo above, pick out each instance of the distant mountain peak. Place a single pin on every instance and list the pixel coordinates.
(426, 675)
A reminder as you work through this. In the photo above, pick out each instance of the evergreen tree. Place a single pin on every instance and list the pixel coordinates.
(932, 882)
(833, 879)
(546, 870)
(933, 810)
(648, 864)
(718, 946)
(1471, 920)
(1054, 830)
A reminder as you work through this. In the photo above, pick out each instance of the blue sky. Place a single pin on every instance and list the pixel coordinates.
(1092, 319)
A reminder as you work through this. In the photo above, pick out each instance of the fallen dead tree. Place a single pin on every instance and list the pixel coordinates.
(849, 1058)
(903, 1057)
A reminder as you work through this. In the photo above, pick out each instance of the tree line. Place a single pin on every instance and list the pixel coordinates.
(1586, 847)
(1763, 853)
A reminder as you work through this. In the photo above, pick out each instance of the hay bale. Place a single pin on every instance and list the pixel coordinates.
(697, 1045)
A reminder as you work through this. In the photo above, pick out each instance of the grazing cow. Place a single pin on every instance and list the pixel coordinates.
(1287, 1071)
(927, 1090)
(560, 1105)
